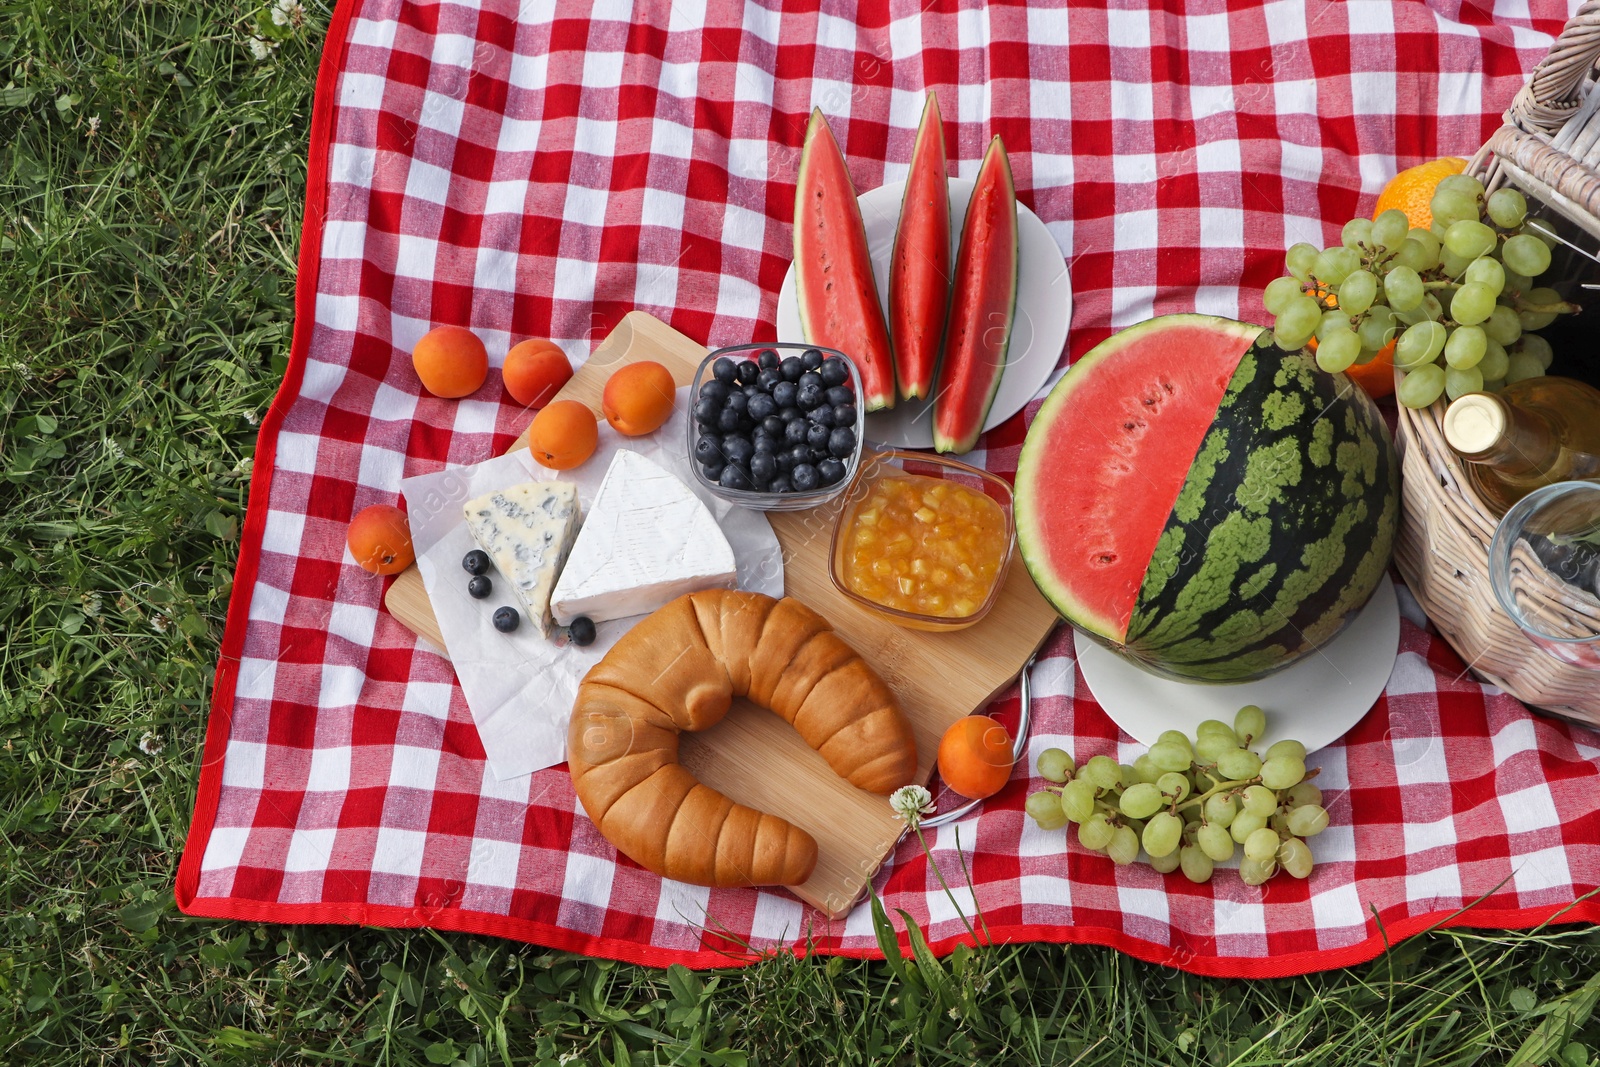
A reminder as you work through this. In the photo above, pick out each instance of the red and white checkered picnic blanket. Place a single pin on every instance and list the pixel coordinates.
(529, 171)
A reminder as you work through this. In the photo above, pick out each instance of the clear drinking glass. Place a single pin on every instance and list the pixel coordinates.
(1544, 567)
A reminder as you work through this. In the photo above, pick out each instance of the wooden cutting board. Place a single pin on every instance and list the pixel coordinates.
(755, 757)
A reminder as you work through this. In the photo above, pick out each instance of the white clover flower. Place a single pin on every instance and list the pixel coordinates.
(251, 417)
(150, 744)
(158, 623)
(94, 125)
(92, 603)
(261, 48)
(288, 13)
(911, 803)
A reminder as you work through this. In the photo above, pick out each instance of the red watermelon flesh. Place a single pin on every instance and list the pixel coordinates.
(834, 284)
(919, 271)
(1119, 437)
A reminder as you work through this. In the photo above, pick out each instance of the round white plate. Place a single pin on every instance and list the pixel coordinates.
(1044, 310)
(1315, 701)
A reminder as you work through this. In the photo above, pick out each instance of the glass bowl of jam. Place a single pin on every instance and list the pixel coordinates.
(923, 540)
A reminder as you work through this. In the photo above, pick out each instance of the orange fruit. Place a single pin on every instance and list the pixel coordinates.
(380, 539)
(534, 372)
(1377, 377)
(1412, 190)
(451, 361)
(638, 398)
(563, 435)
(975, 757)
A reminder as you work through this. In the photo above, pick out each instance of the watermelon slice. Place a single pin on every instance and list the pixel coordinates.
(919, 272)
(834, 283)
(1204, 503)
(983, 304)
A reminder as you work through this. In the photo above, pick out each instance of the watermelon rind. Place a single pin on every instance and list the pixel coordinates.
(919, 267)
(836, 293)
(1035, 456)
(1231, 594)
(974, 359)
(1280, 533)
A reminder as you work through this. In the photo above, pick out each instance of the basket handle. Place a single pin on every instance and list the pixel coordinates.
(1556, 88)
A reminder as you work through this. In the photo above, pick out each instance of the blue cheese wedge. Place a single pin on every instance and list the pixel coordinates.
(528, 530)
(646, 541)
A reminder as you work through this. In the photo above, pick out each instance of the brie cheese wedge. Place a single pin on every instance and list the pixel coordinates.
(647, 540)
(527, 530)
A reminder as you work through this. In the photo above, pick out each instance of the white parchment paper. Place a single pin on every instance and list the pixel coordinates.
(520, 686)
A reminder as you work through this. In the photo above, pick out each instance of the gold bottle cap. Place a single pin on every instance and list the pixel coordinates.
(1475, 422)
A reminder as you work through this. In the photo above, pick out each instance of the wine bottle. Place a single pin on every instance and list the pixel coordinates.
(1533, 432)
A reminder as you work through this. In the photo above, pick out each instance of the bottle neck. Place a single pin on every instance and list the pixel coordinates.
(1493, 433)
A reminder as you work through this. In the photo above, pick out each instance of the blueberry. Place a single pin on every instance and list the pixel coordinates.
(790, 414)
(708, 448)
(767, 379)
(811, 358)
(791, 369)
(737, 402)
(765, 442)
(581, 631)
(728, 420)
(768, 359)
(711, 389)
(816, 455)
(841, 442)
(725, 370)
(748, 371)
(735, 477)
(479, 586)
(810, 378)
(706, 411)
(751, 391)
(794, 432)
(797, 455)
(476, 562)
(783, 394)
(809, 396)
(760, 406)
(822, 415)
(817, 436)
(844, 414)
(737, 449)
(763, 466)
(830, 470)
(804, 477)
(712, 471)
(507, 619)
(784, 457)
(773, 426)
(780, 484)
(840, 394)
(834, 372)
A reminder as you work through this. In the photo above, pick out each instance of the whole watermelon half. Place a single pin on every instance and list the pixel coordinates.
(1208, 505)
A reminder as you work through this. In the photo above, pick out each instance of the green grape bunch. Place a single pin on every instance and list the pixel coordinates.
(1188, 804)
(1457, 300)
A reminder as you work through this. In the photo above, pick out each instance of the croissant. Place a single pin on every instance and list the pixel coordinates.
(679, 669)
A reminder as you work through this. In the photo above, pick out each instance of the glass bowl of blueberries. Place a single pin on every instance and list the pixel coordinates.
(776, 427)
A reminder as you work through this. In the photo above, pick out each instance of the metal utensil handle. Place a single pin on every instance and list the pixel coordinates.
(1018, 746)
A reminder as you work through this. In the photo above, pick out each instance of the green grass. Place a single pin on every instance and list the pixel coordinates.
(151, 178)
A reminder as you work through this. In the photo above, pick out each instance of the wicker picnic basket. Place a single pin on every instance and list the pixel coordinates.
(1549, 148)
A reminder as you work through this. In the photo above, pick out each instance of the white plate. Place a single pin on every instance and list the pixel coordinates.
(1315, 701)
(1044, 310)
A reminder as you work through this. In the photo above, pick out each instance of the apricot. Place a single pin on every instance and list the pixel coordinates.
(975, 757)
(451, 361)
(563, 435)
(534, 372)
(638, 398)
(380, 539)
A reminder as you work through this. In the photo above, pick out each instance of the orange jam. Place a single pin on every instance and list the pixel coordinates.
(925, 545)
